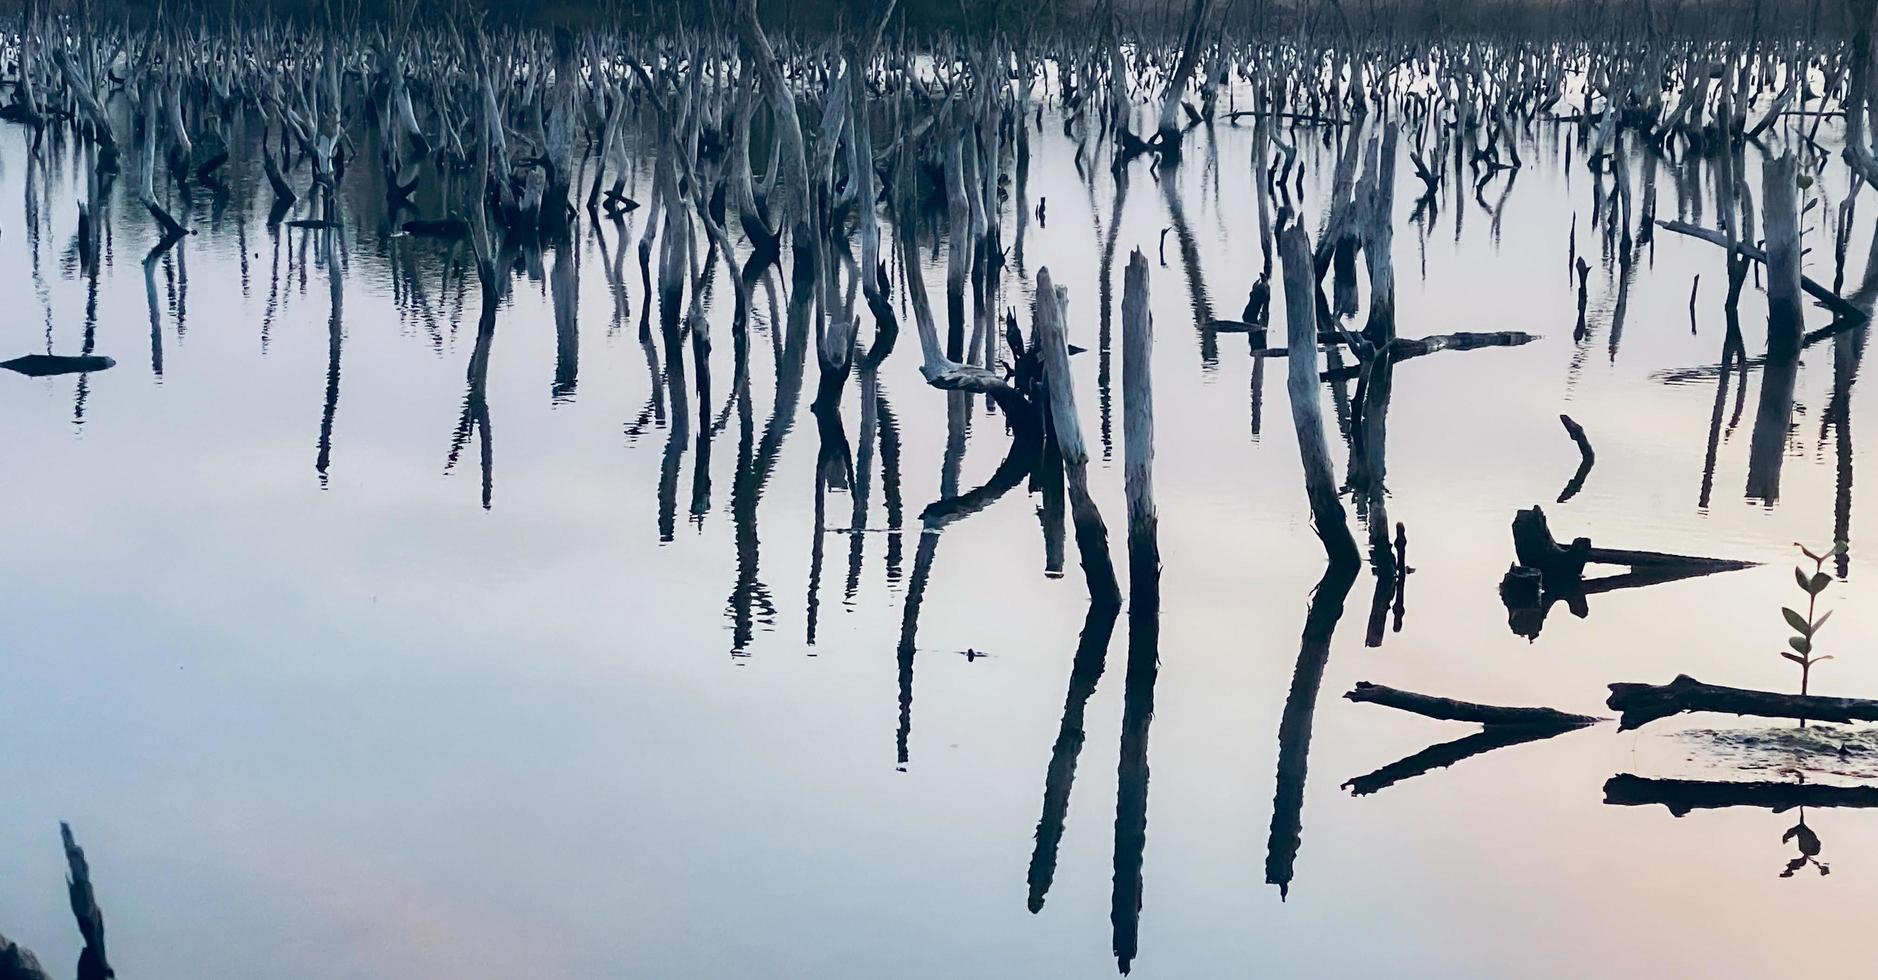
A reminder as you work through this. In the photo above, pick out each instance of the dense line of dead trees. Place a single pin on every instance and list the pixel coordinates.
(823, 158)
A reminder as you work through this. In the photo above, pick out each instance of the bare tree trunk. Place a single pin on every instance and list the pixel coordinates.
(1379, 238)
(1091, 532)
(1786, 321)
(1138, 404)
(1167, 131)
(788, 203)
(1320, 485)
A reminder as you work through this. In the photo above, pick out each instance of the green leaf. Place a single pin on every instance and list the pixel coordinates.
(1799, 575)
(1801, 645)
(1819, 583)
(1797, 621)
(1820, 622)
(1826, 657)
(1796, 658)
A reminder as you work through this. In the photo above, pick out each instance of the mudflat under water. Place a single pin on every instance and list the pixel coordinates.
(340, 670)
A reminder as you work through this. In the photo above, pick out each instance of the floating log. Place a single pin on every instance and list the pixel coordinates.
(1325, 339)
(1403, 350)
(45, 365)
(1448, 709)
(1645, 703)
(1683, 795)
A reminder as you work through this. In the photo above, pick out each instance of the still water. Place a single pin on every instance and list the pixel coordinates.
(340, 668)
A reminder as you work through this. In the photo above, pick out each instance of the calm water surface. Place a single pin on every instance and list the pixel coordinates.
(331, 685)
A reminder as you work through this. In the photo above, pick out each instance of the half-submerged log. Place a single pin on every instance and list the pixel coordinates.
(1502, 727)
(1547, 572)
(46, 365)
(1683, 795)
(1405, 350)
(1645, 703)
(1448, 709)
(1561, 565)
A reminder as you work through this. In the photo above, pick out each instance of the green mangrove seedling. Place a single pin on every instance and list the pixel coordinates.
(1807, 627)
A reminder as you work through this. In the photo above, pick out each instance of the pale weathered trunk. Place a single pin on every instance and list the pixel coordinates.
(1091, 532)
(1786, 321)
(1320, 485)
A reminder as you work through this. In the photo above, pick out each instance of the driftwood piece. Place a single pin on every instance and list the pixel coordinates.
(1562, 564)
(1645, 703)
(1684, 795)
(1448, 709)
(46, 365)
(1326, 339)
(1404, 350)
(1547, 572)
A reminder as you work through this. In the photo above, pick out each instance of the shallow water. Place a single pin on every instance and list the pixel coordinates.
(317, 711)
